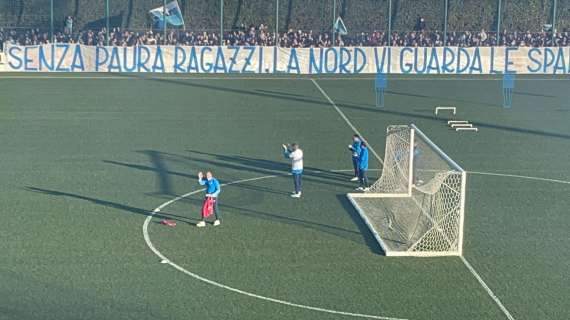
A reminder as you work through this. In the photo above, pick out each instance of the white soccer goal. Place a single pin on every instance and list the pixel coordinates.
(417, 206)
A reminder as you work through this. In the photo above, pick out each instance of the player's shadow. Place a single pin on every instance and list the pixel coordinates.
(159, 165)
(113, 205)
(363, 235)
(258, 188)
(333, 230)
(531, 94)
(270, 167)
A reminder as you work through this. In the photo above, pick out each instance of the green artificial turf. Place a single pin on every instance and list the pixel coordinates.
(87, 158)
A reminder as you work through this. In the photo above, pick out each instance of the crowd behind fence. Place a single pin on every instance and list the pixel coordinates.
(289, 23)
(261, 36)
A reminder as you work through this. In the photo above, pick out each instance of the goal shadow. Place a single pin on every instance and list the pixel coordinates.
(367, 235)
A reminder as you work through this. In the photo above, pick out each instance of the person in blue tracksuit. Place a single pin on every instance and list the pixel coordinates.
(355, 150)
(212, 191)
(363, 167)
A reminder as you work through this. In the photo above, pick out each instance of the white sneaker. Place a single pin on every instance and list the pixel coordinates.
(296, 195)
(201, 224)
(359, 189)
(354, 179)
(217, 222)
(366, 189)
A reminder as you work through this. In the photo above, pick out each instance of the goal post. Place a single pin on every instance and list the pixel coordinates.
(417, 206)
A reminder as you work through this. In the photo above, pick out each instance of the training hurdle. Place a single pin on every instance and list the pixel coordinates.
(461, 125)
(453, 109)
(458, 125)
(467, 129)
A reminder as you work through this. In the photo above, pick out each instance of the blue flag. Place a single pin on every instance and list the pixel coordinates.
(172, 15)
(339, 27)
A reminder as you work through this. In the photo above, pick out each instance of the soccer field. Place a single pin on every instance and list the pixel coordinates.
(87, 160)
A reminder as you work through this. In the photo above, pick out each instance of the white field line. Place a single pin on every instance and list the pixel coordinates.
(343, 116)
(198, 277)
(486, 287)
(223, 286)
(465, 262)
(518, 176)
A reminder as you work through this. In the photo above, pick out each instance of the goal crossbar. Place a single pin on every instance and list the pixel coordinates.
(436, 148)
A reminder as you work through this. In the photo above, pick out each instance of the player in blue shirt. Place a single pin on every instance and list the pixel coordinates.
(212, 190)
(355, 150)
(363, 167)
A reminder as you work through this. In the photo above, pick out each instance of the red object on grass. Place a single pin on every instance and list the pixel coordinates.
(208, 207)
(170, 223)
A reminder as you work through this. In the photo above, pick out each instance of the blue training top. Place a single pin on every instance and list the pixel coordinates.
(212, 186)
(417, 152)
(363, 159)
(356, 148)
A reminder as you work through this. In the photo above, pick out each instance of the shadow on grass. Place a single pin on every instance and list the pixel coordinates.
(530, 94)
(233, 162)
(362, 107)
(158, 166)
(316, 226)
(271, 166)
(110, 204)
(261, 166)
(367, 235)
(355, 236)
(162, 173)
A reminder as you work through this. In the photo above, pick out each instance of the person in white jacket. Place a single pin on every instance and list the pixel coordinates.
(295, 153)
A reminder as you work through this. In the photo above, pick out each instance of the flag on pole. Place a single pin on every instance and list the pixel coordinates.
(172, 16)
(339, 27)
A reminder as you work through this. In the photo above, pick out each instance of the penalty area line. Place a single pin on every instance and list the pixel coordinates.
(465, 262)
(345, 118)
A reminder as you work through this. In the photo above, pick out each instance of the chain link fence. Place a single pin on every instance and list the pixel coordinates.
(290, 23)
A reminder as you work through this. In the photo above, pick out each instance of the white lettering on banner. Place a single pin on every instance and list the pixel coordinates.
(260, 60)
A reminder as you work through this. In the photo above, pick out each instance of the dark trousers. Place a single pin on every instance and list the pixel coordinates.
(355, 166)
(216, 212)
(363, 177)
(297, 182)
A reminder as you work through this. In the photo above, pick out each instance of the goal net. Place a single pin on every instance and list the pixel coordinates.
(417, 206)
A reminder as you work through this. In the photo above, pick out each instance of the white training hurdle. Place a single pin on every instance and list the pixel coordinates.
(467, 129)
(458, 125)
(453, 109)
